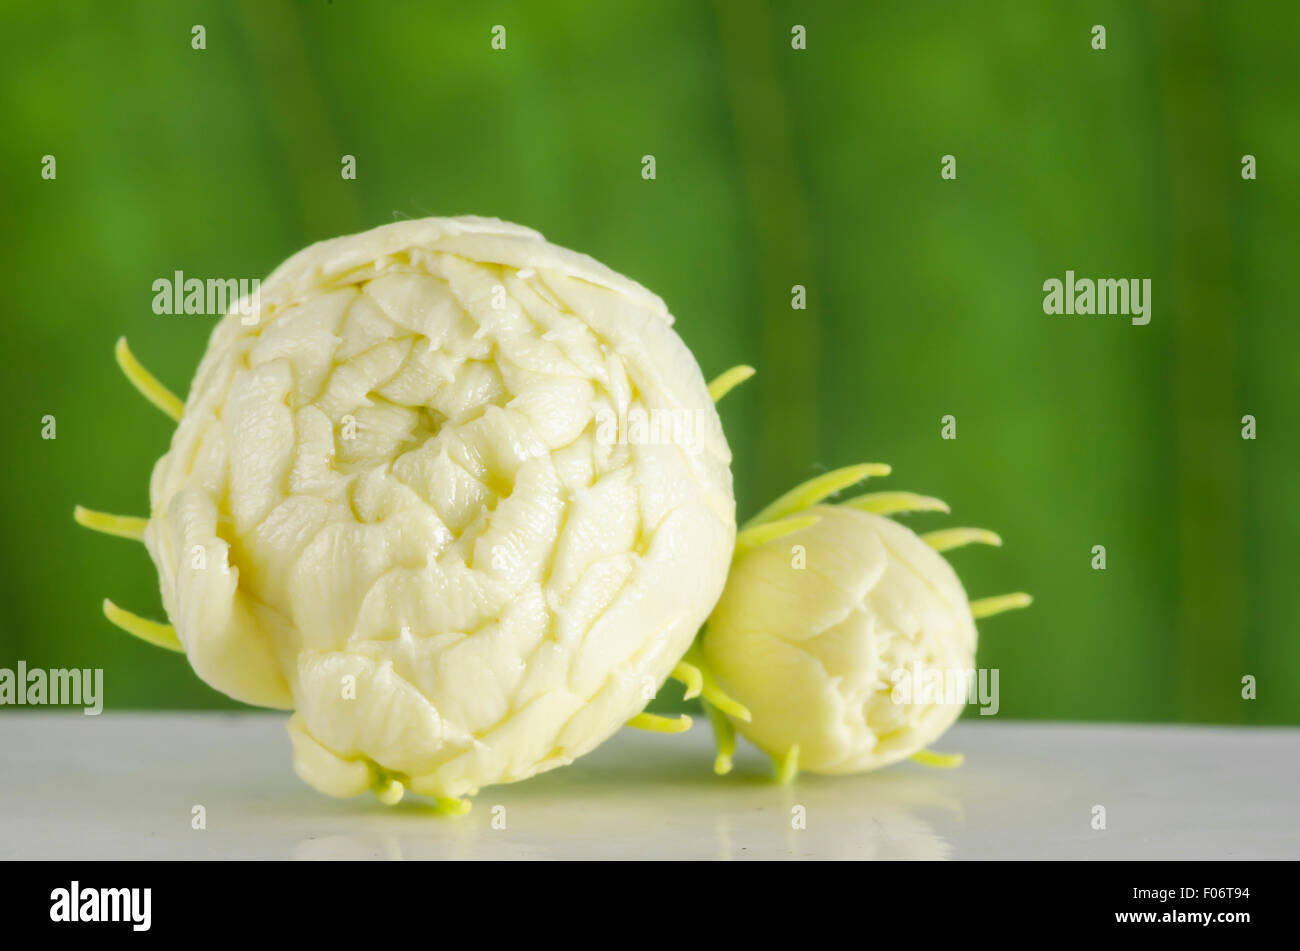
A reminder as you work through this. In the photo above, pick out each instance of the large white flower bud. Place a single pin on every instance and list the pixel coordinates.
(458, 496)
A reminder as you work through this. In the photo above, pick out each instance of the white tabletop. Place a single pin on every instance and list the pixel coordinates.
(125, 786)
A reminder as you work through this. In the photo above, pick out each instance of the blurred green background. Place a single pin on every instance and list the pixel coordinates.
(775, 167)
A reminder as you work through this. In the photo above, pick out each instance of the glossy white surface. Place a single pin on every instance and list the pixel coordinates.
(124, 786)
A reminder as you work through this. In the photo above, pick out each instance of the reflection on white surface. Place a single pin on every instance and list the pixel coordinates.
(121, 786)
